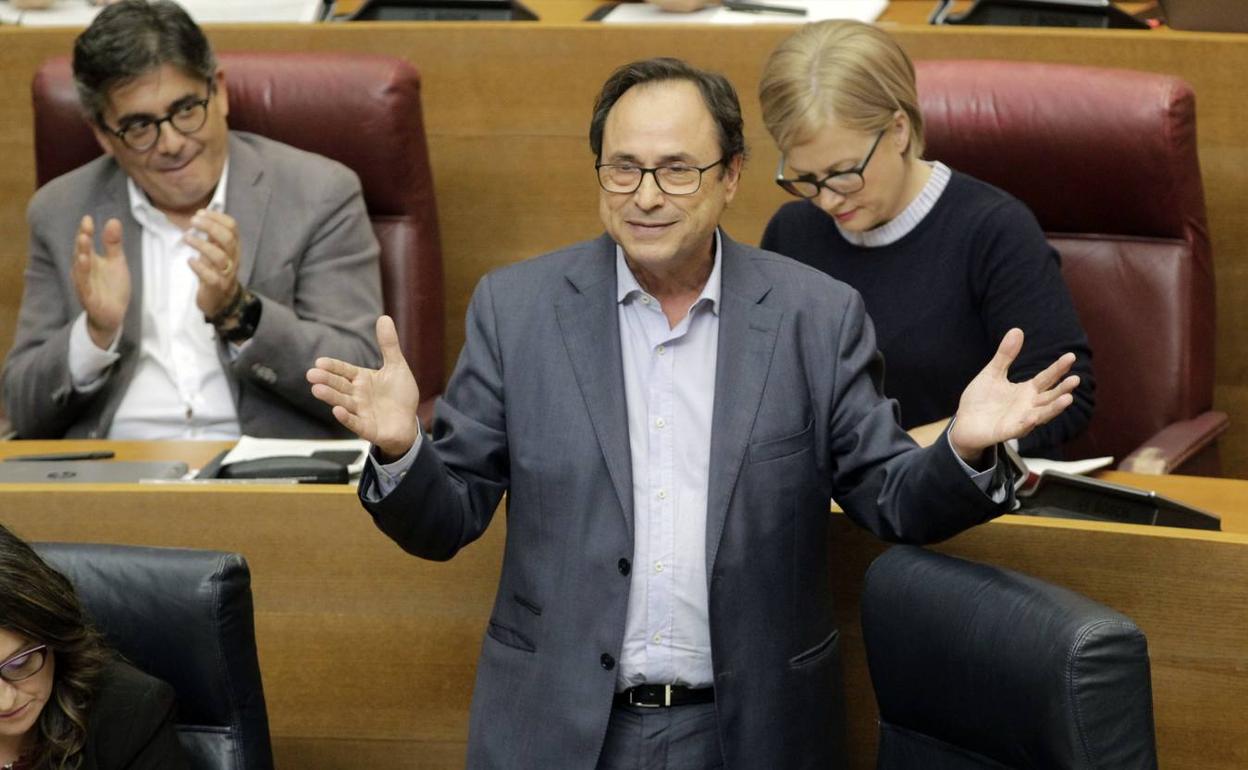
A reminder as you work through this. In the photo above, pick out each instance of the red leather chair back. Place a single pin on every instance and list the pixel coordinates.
(1107, 161)
(364, 112)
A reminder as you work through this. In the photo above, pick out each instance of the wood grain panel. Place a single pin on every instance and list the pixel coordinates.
(507, 110)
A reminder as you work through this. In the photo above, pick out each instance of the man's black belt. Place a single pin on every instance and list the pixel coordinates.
(656, 696)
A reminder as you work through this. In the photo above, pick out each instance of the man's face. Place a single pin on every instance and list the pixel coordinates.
(658, 124)
(180, 171)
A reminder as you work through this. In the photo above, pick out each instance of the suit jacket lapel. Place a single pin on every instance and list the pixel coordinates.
(747, 337)
(589, 321)
(247, 200)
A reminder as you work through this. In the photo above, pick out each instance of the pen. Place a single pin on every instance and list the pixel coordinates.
(99, 454)
(743, 5)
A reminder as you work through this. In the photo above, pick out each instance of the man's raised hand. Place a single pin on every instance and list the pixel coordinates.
(993, 409)
(378, 405)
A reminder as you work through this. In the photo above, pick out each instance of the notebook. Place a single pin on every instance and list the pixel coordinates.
(88, 471)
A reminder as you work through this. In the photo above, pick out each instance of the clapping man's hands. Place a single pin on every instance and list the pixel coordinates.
(102, 281)
(215, 236)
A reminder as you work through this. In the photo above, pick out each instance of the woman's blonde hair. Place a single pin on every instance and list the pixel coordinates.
(838, 70)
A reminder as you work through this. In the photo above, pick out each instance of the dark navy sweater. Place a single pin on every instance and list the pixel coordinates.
(944, 295)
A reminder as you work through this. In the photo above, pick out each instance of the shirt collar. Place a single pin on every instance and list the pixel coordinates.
(900, 226)
(626, 285)
(146, 214)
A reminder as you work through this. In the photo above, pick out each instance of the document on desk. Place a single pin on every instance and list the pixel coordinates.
(1038, 465)
(251, 448)
(79, 13)
(815, 10)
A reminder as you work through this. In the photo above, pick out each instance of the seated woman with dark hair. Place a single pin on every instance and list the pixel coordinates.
(66, 701)
(945, 263)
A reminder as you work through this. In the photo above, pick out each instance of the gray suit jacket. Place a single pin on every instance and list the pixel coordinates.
(536, 409)
(308, 251)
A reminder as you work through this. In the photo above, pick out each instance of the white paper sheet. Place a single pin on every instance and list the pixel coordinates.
(1036, 465)
(251, 448)
(79, 13)
(816, 10)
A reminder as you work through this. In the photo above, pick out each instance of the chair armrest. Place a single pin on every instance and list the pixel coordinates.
(1176, 443)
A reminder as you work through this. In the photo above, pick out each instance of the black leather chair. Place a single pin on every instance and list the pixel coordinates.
(185, 616)
(979, 667)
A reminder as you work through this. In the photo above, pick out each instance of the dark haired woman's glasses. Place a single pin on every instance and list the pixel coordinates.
(141, 134)
(839, 182)
(24, 665)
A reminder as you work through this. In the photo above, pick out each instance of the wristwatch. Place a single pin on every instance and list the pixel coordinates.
(237, 322)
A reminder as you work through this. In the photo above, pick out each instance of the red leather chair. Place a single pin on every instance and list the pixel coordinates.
(364, 112)
(1107, 161)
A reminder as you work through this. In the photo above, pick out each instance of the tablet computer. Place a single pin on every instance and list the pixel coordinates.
(1078, 497)
(89, 471)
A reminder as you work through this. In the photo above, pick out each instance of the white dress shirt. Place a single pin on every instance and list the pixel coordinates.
(179, 389)
(669, 387)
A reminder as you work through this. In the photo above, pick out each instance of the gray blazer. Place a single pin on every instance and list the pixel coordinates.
(536, 409)
(309, 253)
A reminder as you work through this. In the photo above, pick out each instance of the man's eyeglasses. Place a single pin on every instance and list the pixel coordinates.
(839, 182)
(675, 179)
(24, 665)
(141, 134)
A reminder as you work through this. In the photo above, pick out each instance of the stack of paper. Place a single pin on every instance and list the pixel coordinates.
(816, 10)
(79, 13)
(251, 448)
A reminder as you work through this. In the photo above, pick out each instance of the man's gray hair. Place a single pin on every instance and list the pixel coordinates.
(130, 39)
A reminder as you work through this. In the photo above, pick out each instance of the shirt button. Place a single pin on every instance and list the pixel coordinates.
(624, 566)
(659, 423)
(662, 494)
(658, 638)
(661, 350)
(658, 566)
(607, 661)
(645, 300)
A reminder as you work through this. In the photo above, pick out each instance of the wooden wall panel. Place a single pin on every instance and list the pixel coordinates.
(507, 110)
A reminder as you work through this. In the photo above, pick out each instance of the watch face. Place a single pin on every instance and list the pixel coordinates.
(240, 324)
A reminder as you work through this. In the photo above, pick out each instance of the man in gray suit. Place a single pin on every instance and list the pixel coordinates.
(180, 285)
(669, 413)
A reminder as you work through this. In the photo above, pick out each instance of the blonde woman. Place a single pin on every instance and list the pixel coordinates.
(946, 264)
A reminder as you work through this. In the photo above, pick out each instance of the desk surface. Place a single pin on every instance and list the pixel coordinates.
(1226, 497)
(575, 11)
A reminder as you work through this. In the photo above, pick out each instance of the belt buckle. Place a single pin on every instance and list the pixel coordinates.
(667, 699)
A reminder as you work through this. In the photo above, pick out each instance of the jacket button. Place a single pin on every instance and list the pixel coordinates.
(607, 661)
(624, 566)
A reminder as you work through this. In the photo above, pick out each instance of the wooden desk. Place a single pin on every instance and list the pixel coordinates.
(368, 654)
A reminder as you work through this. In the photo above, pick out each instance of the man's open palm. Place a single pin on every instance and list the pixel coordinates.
(378, 405)
(993, 409)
